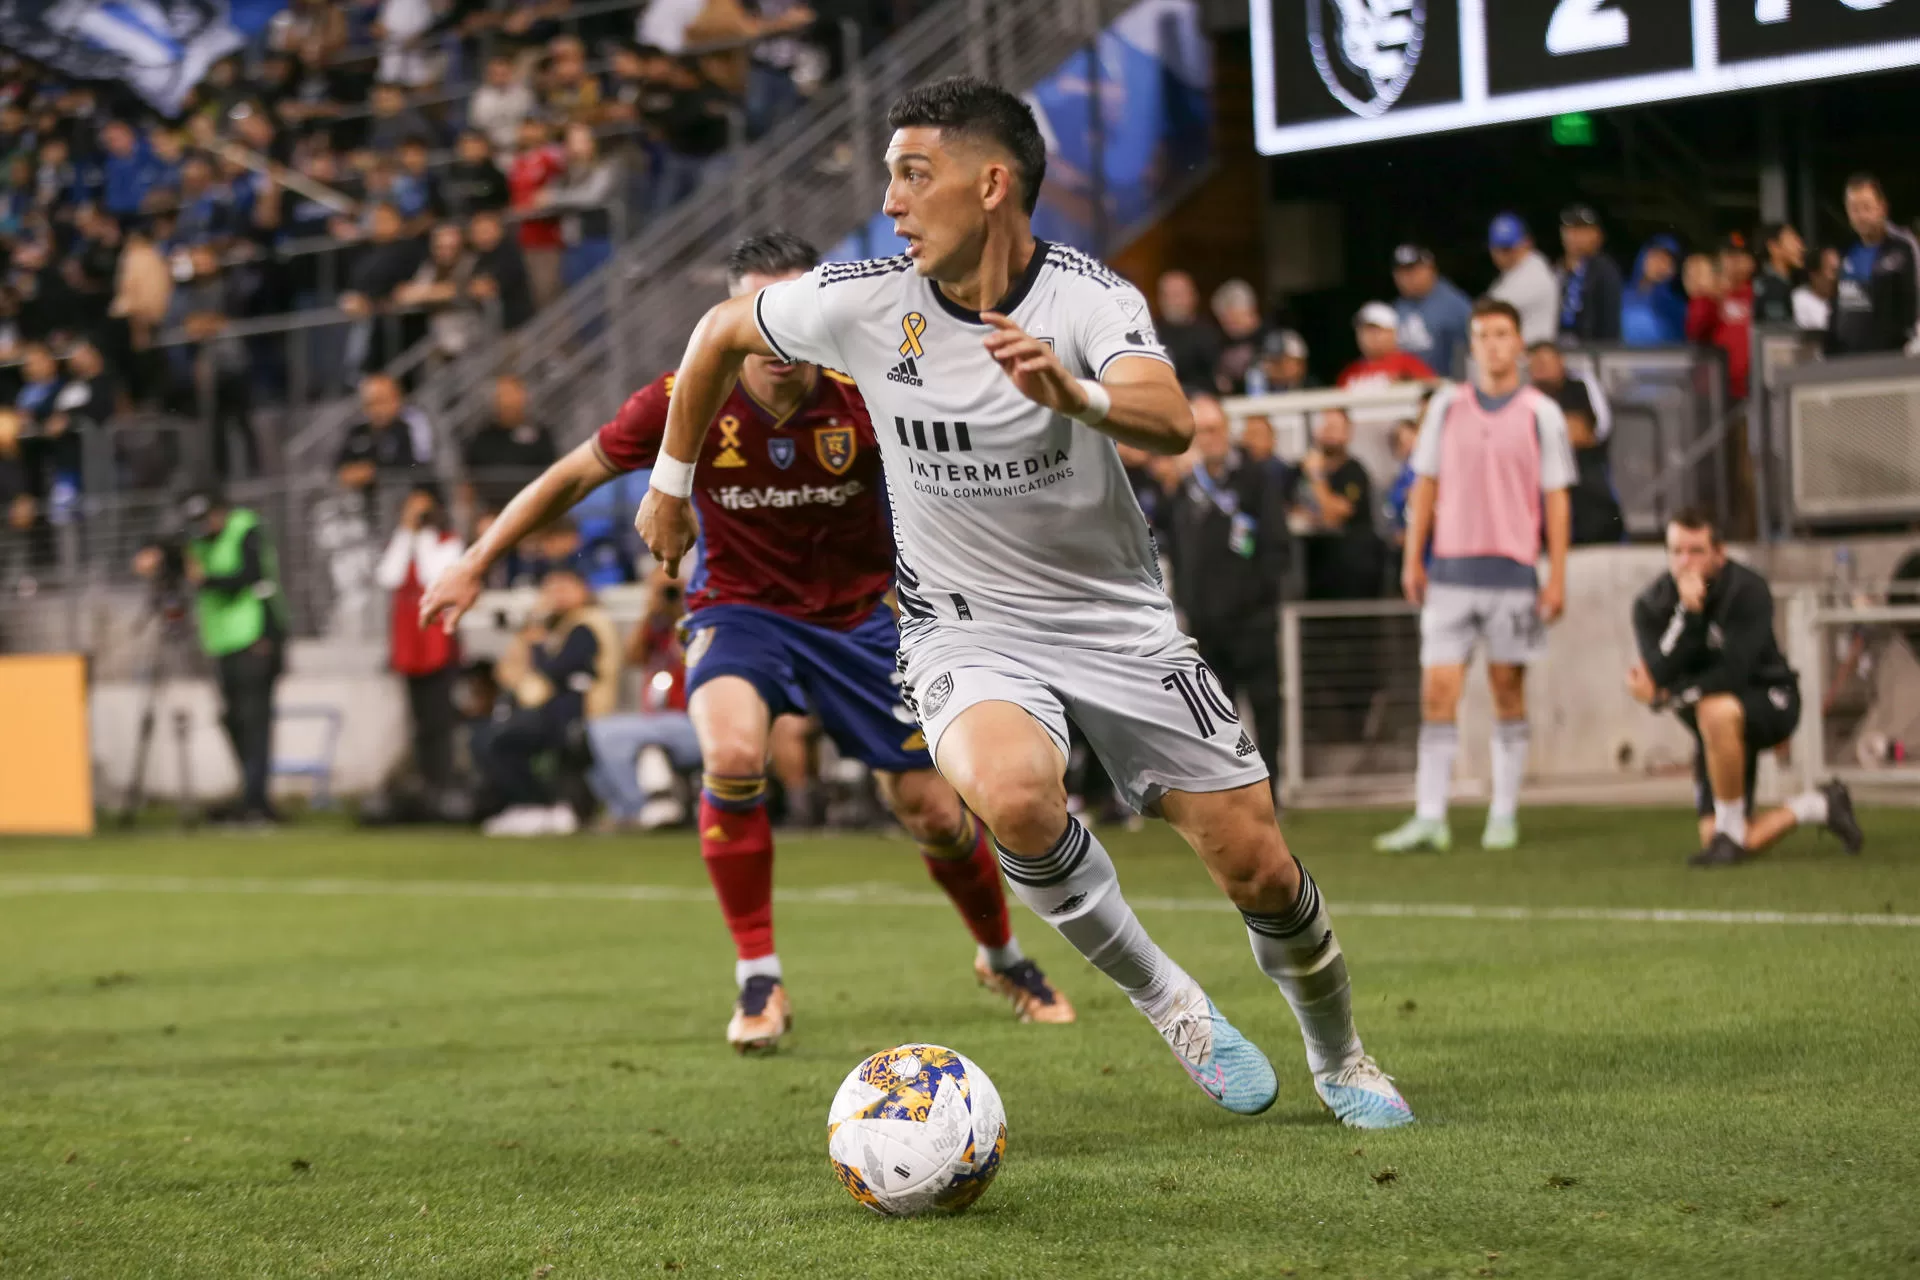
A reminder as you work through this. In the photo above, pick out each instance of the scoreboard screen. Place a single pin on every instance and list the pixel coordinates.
(1330, 73)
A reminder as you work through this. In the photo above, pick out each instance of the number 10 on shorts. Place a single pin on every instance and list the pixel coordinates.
(1203, 697)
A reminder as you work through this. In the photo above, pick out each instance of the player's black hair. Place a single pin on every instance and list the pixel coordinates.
(1771, 232)
(774, 253)
(1693, 520)
(1865, 179)
(1497, 307)
(978, 109)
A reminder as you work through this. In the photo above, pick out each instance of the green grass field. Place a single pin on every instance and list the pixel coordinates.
(328, 1053)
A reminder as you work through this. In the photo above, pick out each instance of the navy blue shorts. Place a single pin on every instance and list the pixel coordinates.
(846, 678)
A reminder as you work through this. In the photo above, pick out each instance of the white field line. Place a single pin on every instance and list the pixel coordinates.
(880, 895)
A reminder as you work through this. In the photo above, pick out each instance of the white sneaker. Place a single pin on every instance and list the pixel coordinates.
(558, 820)
(519, 820)
(661, 811)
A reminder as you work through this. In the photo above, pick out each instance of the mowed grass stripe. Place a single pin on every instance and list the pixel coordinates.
(879, 894)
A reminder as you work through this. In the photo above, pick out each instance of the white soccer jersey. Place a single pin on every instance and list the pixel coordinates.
(1008, 517)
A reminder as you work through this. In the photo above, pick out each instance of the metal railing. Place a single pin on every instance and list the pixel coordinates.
(1848, 433)
(816, 174)
(1666, 447)
(1350, 683)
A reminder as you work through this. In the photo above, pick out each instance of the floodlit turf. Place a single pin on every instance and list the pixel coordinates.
(318, 1080)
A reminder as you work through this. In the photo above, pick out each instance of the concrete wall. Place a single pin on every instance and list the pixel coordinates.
(348, 679)
(1584, 724)
(1585, 728)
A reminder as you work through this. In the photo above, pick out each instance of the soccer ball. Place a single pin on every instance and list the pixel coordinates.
(916, 1129)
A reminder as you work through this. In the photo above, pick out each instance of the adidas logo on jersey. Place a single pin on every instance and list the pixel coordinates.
(906, 372)
(1244, 747)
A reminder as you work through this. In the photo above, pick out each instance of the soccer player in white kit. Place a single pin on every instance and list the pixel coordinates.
(1000, 370)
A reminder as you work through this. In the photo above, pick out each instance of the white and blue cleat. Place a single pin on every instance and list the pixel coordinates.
(1362, 1096)
(1224, 1063)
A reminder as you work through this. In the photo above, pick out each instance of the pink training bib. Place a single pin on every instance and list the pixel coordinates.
(1489, 498)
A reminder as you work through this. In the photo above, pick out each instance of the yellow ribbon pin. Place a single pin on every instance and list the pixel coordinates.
(914, 324)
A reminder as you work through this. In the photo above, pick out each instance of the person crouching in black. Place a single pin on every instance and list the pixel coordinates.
(1708, 653)
(559, 672)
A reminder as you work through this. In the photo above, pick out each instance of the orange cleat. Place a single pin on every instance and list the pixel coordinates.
(760, 1016)
(1034, 998)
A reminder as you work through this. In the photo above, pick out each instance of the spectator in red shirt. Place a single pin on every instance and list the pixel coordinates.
(537, 163)
(1720, 313)
(1376, 328)
(422, 548)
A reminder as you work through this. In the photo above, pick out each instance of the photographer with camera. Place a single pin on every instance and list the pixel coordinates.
(226, 559)
(423, 547)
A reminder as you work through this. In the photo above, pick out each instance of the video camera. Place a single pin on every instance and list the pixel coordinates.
(162, 560)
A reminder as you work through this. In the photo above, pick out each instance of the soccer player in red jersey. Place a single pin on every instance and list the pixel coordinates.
(788, 612)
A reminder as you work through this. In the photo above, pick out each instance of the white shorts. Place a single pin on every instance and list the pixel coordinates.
(1455, 619)
(1159, 722)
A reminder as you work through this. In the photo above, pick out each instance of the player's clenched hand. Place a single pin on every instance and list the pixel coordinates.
(1033, 366)
(1640, 684)
(1693, 590)
(1413, 580)
(666, 524)
(1553, 600)
(450, 596)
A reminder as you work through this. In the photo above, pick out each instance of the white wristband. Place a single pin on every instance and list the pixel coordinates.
(1099, 403)
(671, 476)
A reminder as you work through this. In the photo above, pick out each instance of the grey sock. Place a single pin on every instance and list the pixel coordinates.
(1297, 949)
(1074, 888)
(1510, 739)
(1438, 743)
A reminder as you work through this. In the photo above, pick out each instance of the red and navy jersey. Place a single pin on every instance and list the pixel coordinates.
(793, 515)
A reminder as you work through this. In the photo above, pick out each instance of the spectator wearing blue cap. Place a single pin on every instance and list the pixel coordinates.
(1589, 279)
(1526, 279)
(1433, 311)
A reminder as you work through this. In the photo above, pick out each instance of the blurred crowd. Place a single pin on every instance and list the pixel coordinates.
(1860, 296)
(367, 176)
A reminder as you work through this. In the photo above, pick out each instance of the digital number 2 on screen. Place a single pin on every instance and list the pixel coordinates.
(1335, 72)
(1578, 26)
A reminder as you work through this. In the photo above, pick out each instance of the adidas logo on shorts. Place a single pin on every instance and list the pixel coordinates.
(1244, 747)
(906, 372)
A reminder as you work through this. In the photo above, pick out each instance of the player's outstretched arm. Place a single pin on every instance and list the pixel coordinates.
(1138, 402)
(557, 490)
(724, 338)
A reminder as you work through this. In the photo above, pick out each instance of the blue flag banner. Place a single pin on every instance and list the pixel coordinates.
(158, 48)
(1155, 88)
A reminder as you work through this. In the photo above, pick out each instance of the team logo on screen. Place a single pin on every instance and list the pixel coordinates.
(1366, 50)
(835, 445)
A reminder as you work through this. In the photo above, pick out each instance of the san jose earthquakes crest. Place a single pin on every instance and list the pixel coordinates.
(1366, 51)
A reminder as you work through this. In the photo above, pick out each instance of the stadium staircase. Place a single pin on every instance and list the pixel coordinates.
(817, 174)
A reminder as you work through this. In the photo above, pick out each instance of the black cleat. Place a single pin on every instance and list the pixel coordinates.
(1840, 816)
(1722, 851)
